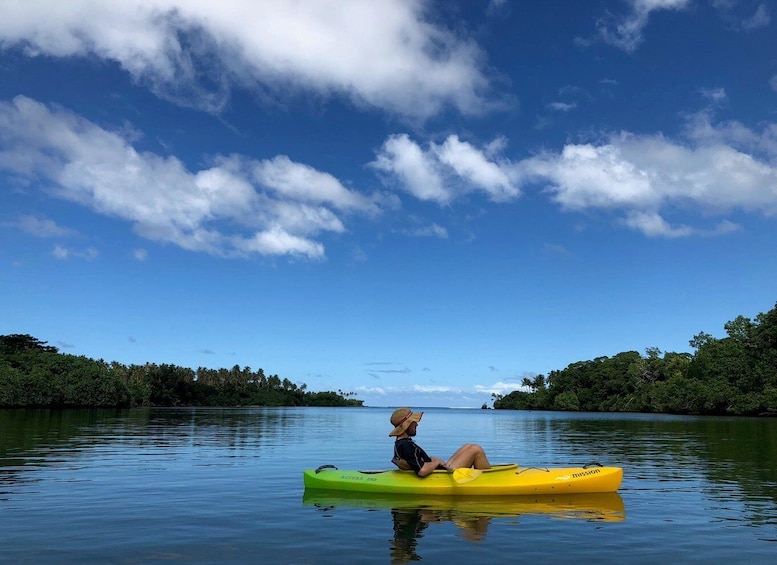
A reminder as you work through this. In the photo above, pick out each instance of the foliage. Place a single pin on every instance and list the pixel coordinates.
(734, 375)
(35, 374)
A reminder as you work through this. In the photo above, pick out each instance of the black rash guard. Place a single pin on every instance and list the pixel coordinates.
(405, 448)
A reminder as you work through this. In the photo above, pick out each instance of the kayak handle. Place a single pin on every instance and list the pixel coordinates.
(592, 464)
(322, 467)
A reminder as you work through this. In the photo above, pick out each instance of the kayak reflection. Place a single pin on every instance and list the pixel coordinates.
(412, 514)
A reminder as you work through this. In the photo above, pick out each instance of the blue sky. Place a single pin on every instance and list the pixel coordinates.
(420, 202)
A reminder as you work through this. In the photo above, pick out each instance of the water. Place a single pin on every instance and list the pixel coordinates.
(225, 486)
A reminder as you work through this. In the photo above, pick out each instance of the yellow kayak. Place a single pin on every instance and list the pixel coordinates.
(508, 479)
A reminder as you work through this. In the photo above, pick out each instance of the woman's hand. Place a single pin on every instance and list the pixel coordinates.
(431, 466)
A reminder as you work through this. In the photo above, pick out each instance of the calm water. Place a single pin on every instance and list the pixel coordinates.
(225, 486)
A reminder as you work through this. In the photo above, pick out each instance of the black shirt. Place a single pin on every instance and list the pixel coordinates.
(405, 448)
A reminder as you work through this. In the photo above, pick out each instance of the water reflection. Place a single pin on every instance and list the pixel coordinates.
(411, 515)
(410, 523)
(36, 439)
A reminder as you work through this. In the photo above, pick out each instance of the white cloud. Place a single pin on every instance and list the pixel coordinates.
(276, 241)
(380, 53)
(433, 389)
(63, 253)
(304, 183)
(625, 32)
(732, 15)
(415, 171)
(236, 207)
(652, 224)
(444, 172)
(562, 106)
(496, 147)
(140, 254)
(301, 218)
(714, 94)
(761, 18)
(498, 388)
(433, 230)
(472, 165)
(719, 169)
(41, 227)
(585, 176)
(702, 130)
(495, 5)
(716, 168)
(422, 395)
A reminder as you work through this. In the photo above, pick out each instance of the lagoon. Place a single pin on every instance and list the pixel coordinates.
(209, 485)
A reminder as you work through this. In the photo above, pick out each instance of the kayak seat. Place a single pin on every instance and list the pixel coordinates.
(401, 463)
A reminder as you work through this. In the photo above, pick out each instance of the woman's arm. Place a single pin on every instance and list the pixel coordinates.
(430, 466)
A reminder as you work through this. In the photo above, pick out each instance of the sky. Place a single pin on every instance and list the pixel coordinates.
(420, 202)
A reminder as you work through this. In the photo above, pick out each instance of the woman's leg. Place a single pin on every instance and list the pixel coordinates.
(469, 455)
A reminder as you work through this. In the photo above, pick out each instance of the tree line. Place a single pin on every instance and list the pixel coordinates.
(33, 373)
(733, 375)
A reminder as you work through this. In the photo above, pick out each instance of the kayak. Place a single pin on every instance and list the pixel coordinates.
(601, 507)
(508, 479)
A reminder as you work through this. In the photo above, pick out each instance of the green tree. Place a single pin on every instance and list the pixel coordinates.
(21, 343)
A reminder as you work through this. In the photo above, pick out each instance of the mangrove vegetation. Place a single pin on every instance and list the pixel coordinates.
(733, 375)
(34, 374)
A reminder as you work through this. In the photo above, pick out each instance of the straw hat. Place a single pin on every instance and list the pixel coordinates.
(401, 420)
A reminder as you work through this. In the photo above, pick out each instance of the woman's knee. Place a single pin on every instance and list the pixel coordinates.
(473, 448)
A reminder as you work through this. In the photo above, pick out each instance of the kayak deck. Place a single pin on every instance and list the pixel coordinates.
(508, 479)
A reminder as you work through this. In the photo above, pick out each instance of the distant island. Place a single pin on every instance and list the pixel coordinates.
(735, 375)
(34, 374)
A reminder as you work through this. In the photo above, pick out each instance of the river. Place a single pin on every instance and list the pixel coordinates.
(207, 485)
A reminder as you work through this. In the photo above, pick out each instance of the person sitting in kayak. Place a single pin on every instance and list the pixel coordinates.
(409, 456)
